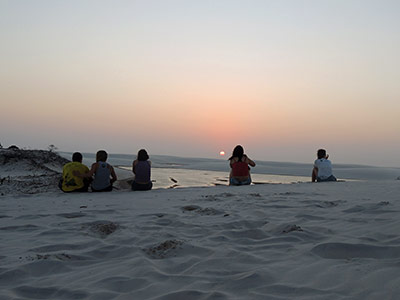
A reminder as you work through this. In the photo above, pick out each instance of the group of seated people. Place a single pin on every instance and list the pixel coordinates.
(77, 177)
(101, 176)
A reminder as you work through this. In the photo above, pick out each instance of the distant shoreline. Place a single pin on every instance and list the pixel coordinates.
(343, 171)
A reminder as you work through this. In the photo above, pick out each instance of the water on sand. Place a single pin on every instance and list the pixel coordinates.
(171, 178)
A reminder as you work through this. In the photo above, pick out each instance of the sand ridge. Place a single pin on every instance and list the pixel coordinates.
(29, 171)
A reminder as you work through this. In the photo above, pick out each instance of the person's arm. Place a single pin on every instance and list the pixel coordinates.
(314, 174)
(134, 166)
(88, 174)
(250, 162)
(231, 162)
(113, 175)
(93, 170)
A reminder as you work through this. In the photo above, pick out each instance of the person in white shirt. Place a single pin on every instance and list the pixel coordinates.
(322, 168)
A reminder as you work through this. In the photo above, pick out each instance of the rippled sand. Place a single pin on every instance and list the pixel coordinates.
(272, 241)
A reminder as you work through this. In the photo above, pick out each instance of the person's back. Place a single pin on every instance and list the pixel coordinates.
(70, 182)
(102, 175)
(141, 167)
(142, 172)
(322, 168)
(240, 170)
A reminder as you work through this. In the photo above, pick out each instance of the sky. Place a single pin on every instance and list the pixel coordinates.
(192, 78)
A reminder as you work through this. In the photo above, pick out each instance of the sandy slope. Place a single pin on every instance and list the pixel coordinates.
(29, 171)
(298, 241)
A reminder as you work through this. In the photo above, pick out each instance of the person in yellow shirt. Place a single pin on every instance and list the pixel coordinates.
(70, 182)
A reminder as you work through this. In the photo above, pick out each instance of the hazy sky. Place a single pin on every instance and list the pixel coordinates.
(282, 78)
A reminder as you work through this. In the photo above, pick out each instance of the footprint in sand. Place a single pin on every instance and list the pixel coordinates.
(208, 211)
(163, 250)
(61, 256)
(102, 228)
(291, 228)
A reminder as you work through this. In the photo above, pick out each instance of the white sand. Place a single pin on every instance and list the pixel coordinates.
(273, 241)
(299, 241)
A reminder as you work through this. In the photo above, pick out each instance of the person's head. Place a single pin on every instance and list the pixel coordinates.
(77, 157)
(101, 155)
(321, 153)
(142, 155)
(237, 152)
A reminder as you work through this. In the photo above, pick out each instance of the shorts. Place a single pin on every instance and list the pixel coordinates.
(86, 182)
(330, 178)
(107, 189)
(141, 186)
(234, 181)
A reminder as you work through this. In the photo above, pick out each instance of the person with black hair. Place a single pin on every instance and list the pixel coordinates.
(141, 167)
(103, 173)
(69, 181)
(322, 170)
(240, 170)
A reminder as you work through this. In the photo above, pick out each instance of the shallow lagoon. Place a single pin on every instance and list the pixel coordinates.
(173, 178)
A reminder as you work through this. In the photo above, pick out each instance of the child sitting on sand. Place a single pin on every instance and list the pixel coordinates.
(322, 168)
(141, 167)
(240, 170)
(102, 172)
(70, 182)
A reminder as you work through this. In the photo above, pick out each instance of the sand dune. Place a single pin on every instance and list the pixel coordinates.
(298, 241)
(29, 171)
(270, 241)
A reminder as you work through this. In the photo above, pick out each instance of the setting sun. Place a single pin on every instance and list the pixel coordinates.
(222, 153)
